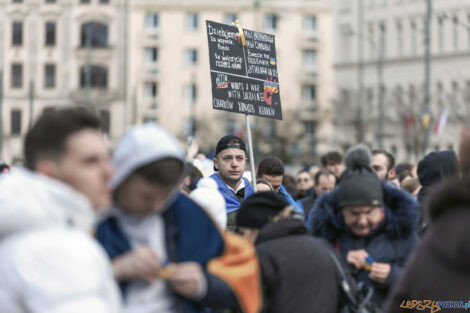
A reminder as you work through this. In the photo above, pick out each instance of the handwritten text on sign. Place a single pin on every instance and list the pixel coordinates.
(244, 79)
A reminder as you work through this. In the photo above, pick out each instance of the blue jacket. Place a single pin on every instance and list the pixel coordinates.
(190, 235)
(295, 205)
(391, 242)
(231, 201)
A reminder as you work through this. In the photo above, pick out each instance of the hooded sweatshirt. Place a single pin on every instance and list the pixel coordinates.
(49, 261)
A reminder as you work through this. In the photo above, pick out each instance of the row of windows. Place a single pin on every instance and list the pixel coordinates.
(92, 34)
(16, 118)
(450, 33)
(191, 21)
(93, 76)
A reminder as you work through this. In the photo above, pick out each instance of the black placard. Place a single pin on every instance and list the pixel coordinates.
(244, 79)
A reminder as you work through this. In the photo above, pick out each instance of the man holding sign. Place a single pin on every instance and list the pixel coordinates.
(229, 162)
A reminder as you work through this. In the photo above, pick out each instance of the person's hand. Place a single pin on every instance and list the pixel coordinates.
(187, 279)
(357, 258)
(379, 272)
(140, 263)
(192, 150)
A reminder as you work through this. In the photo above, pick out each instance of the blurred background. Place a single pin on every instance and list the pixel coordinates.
(390, 73)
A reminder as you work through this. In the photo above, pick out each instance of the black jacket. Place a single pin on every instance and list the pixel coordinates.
(439, 270)
(297, 272)
(391, 242)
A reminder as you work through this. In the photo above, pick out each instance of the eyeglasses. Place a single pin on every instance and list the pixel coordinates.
(302, 180)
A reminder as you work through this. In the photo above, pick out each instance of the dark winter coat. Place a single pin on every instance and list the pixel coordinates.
(297, 272)
(432, 169)
(391, 242)
(439, 270)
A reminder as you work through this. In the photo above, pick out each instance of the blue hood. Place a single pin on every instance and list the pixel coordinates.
(326, 222)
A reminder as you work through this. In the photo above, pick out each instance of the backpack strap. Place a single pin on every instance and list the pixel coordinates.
(344, 279)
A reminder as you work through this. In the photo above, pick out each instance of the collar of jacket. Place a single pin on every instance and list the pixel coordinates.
(283, 228)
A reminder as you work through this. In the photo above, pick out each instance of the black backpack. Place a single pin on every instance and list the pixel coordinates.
(355, 298)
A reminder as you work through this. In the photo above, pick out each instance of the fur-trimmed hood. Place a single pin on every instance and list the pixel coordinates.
(327, 222)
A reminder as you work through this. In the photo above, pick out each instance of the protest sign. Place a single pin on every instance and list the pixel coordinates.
(244, 78)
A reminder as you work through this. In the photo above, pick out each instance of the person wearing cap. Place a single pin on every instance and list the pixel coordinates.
(229, 164)
(160, 241)
(297, 272)
(365, 218)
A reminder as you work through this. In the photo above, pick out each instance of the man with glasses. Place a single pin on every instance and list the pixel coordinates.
(371, 224)
(304, 184)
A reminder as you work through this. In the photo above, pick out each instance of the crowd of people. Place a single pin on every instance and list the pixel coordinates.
(154, 228)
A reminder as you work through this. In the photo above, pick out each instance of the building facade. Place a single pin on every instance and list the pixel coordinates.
(380, 65)
(59, 53)
(171, 81)
(147, 60)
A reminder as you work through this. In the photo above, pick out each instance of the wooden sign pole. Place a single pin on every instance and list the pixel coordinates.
(247, 120)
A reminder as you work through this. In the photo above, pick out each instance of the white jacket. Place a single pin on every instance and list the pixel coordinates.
(48, 261)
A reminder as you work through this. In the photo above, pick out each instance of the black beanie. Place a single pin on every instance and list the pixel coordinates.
(258, 209)
(359, 185)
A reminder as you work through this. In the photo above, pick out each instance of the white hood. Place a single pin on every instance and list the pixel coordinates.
(142, 145)
(29, 200)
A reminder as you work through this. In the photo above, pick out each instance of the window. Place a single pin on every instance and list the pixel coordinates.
(309, 93)
(104, 1)
(15, 126)
(229, 18)
(190, 57)
(17, 34)
(50, 34)
(271, 21)
(370, 39)
(49, 76)
(16, 75)
(50, 1)
(151, 55)
(191, 21)
(440, 22)
(151, 20)
(150, 90)
(93, 76)
(149, 119)
(190, 93)
(17, 1)
(468, 30)
(310, 23)
(309, 58)
(399, 39)
(84, 1)
(230, 126)
(414, 38)
(94, 35)
(455, 23)
(105, 121)
(310, 127)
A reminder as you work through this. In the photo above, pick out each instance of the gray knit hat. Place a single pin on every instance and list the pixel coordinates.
(359, 185)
